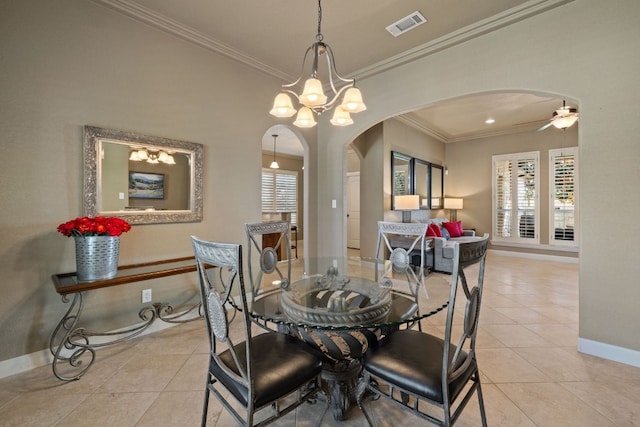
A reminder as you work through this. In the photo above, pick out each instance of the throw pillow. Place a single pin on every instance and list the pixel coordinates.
(433, 231)
(454, 228)
(445, 232)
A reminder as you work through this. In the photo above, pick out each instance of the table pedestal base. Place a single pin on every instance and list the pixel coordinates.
(341, 380)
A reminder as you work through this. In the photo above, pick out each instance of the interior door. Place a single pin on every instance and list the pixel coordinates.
(353, 210)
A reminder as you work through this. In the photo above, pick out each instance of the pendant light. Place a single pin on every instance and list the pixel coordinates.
(274, 164)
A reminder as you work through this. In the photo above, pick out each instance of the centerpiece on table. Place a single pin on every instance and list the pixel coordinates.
(97, 245)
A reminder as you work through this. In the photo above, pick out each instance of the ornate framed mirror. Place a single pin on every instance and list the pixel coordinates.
(142, 179)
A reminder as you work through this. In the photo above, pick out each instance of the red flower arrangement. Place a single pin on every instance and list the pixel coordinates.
(98, 226)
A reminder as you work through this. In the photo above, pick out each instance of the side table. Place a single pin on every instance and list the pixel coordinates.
(72, 344)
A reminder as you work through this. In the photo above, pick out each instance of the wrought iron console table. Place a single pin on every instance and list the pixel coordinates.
(70, 344)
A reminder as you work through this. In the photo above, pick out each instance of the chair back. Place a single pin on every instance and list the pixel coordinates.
(263, 256)
(467, 281)
(402, 242)
(220, 309)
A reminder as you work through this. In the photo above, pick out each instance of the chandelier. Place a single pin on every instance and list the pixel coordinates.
(313, 99)
(155, 157)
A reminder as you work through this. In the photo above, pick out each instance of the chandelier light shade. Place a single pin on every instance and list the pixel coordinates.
(149, 156)
(347, 99)
(274, 164)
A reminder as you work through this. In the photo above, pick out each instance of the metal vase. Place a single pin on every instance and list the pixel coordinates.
(96, 257)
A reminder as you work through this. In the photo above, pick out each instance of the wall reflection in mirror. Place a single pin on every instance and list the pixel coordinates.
(144, 179)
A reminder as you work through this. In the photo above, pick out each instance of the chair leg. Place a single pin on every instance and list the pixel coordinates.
(483, 416)
(205, 407)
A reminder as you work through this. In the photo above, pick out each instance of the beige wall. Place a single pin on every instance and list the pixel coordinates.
(597, 66)
(470, 166)
(70, 63)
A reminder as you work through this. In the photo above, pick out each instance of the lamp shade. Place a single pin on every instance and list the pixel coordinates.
(313, 93)
(451, 203)
(282, 106)
(353, 101)
(407, 203)
(341, 117)
(305, 119)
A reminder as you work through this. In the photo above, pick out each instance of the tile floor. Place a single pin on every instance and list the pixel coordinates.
(532, 374)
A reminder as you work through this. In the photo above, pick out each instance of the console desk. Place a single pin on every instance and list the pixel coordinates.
(70, 344)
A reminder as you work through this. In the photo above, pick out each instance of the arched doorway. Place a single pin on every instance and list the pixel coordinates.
(289, 149)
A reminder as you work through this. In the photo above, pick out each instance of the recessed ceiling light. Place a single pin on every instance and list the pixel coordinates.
(489, 121)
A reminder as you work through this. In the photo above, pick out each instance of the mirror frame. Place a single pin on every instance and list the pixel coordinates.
(433, 170)
(94, 137)
(395, 156)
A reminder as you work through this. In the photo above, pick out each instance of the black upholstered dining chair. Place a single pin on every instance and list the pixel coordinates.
(402, 247)
(261, 372)
(413, 368)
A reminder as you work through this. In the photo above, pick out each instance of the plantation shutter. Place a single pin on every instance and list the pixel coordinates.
(515, 197)
(503, 198)
(280, 192)
(563, 191)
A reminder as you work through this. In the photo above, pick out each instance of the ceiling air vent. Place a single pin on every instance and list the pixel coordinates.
(406, 24)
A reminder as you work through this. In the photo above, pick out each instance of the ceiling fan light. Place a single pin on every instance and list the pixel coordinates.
(313, 94)
(282, 106)
(353, 101)
(341, 117)
(274, 165)
(565, 122)
(134, 156)
(305, 119)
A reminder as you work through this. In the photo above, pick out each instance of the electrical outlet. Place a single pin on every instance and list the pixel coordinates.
(146, 296)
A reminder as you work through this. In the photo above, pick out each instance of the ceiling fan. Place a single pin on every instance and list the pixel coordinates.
(562, 118)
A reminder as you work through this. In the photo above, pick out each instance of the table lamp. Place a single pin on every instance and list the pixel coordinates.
(453, 205)
(406, 204)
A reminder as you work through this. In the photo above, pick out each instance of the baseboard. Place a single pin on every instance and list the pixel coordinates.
(44, 357)
(543, 257)
(609, 352)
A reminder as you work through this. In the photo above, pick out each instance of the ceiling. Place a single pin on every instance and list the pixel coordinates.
(272, 36)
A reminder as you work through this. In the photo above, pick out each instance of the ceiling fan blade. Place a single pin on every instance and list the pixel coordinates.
(544, 127)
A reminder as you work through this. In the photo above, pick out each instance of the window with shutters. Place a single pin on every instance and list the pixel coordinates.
(280, 192)
(563, 192)
(515, 197)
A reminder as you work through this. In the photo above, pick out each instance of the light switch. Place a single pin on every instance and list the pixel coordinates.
(121, 196)
(334, 203)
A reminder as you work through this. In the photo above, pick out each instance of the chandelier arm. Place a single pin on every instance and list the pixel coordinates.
(299, 79)
(331, 65)
(328, 105)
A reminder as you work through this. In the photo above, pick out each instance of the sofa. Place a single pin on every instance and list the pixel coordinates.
(440, 256)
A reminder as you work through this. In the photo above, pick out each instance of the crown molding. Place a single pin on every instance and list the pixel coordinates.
(462, 35)
(410, 120)
(157, 20)
(415, 122)
(171, 26)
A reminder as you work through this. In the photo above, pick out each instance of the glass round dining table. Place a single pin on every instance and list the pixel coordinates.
(344, 305)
